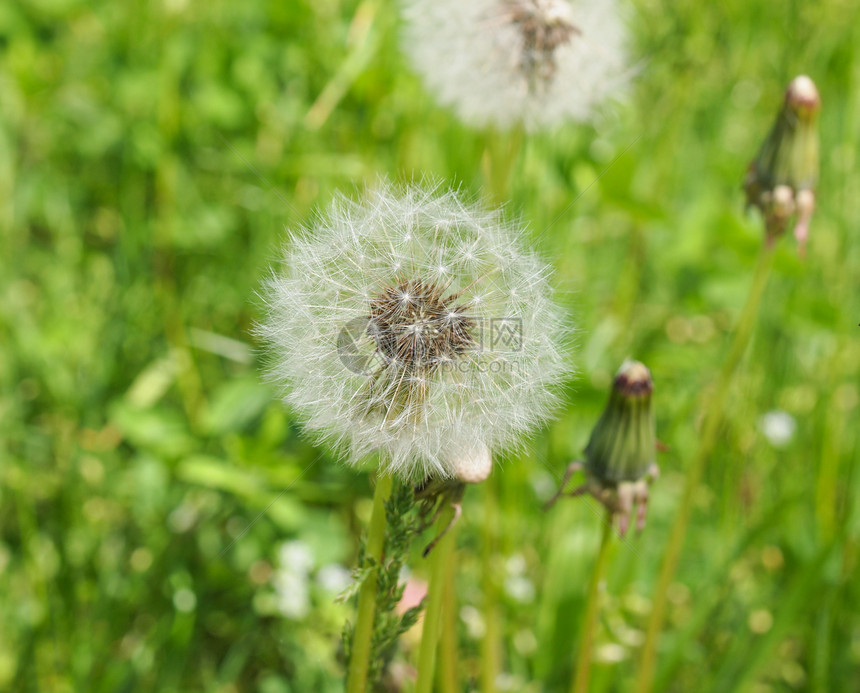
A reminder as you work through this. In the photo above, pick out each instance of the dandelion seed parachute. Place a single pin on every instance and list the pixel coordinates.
(415, 325)
(510, 62)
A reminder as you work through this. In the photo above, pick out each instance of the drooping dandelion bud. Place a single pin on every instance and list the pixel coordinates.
(469, 465)
(620, 458)
(623, 446)
(781, 180)
(416, 326)
(534, 63)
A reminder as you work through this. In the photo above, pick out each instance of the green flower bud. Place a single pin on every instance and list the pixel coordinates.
(781, 180)
(623, 444)
(620, 459)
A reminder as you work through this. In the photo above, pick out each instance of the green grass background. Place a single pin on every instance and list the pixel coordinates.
(151, 156)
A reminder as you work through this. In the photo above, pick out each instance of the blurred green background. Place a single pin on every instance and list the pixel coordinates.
(164, 527)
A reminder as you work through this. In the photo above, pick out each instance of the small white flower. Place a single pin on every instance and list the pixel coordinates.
(520, 588)
(291, 579)
(334, 578)
(296, 557)
(778, 427)
(379, 352)
(516, 565)
(473, 619)
(509, 62)
(292, 594)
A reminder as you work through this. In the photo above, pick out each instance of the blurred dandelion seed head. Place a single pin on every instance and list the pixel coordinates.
(544, 25)
(415, 325)
(503, 63)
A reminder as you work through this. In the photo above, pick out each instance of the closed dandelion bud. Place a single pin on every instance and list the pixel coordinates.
(470, 464)
(781, 180)
(473, 465)
(620, 458)
(623, 445)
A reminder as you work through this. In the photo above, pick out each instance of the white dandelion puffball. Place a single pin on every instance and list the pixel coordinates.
(416, 326)
(509, 62)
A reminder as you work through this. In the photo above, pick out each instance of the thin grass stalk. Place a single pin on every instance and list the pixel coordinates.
(710, 427)
(439, 559)
(361, 638)
(592, 609)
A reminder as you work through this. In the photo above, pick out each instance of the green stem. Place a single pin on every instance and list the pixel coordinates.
(361, 638)
(710, 428)
(501, 152)
(500, 156)
(828, 476)
(439, 559)
(448, 667)
(490, 647)
(592, 609)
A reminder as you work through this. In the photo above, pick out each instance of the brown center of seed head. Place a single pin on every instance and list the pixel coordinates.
(544, 25)
(417, 327)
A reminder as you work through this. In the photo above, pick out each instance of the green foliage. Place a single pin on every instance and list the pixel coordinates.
(402, 524)
(151, 154)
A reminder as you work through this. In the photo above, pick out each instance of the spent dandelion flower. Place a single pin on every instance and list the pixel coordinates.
(416, 326)
(781, 180)
(620, 463)
(620, 458)
(507, 63)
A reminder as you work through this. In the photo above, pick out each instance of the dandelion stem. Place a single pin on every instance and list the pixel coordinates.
(710, 427)
(439, 559)
(827, 485)
(449, 681)
(592, 608)
(361, 638)
(490, 647)
(500, 156)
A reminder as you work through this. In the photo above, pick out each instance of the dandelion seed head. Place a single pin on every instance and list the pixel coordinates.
(378, 352)
(509, 62)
